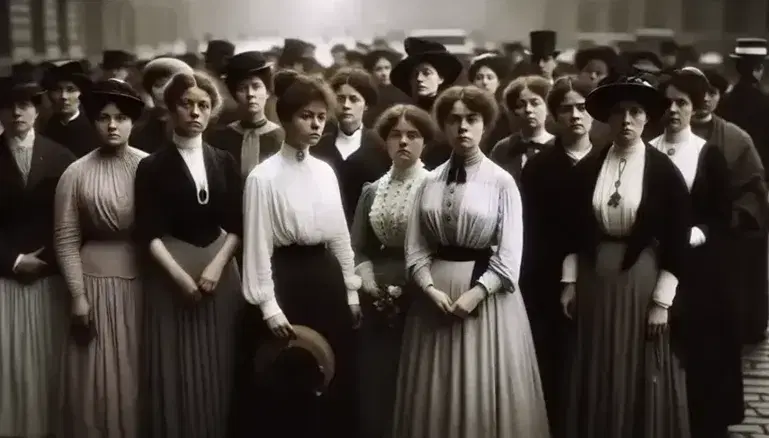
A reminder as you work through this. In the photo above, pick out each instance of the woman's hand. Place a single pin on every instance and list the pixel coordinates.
(658, 320)
(280, 327)
(468, 301)
(209, 279)
(440, 299)
(371, 288)
(568, 294)
(188, 286)
(357, 315)
(81, 310)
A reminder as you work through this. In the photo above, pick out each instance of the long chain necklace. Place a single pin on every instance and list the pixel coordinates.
(615, 197)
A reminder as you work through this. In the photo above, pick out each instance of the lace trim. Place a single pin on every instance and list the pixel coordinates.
(392, 205)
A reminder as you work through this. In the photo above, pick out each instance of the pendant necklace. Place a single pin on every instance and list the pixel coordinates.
(300, 156)
(615, 197)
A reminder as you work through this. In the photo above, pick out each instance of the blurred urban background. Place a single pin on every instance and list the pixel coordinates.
(37, 30)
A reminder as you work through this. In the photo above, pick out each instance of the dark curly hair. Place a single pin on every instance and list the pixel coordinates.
(476, 99)
(413, 114)
(295, 91)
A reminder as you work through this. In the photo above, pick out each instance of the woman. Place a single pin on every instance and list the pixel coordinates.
(545, 184)
(33, 297)
(354, 152)
(298, 265)
(596, 64)
(468, 367)
(525, 103)
(379, 63)
(489, 72)
(704, 303)
(423, 74)
(378, 236)
(628, 248)
(254, 138)
(94, 220)
(189, 217)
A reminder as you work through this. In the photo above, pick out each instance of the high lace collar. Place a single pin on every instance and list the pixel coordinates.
(407, 173)
(195, 142)
(294, 154)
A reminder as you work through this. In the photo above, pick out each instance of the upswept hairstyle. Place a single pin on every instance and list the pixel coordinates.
(413, 114)
(537, 84)
(562, 87)
(476, 99)
(358, 79)
(181, 82)
(295, 91)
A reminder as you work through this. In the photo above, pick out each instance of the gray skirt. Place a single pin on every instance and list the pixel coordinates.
(189, 347)
(621, 383)
(33, 331)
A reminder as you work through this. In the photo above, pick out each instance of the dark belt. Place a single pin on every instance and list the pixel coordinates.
(480, 256)
(296, 250)
(604, 237)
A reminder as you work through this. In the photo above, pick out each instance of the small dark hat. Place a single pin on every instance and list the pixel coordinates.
(20, 88)
(308, 356)
(643, 61)
(717, 80)
(115, 59)
(542, 43)
(245, 65)
(419, 51)
(605, 54)
(603, 99)
(500, 65)
(218, 49)
(750, 48)
(374, 56)
(668, 47)
(115, 91)
(294, 51)
(26, 69)
(73, 71)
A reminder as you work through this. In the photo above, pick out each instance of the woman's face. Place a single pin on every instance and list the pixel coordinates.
(65, 98)
(404, 144)
(307, 124)
(113, 126)
(192, 112)
(531, 110)
(486, 79)
(425, 81)
(463, 128)
(18, 118)
(351, 106)
(572, 117)
(382, 70)
(595, 71)
(627, 121)
(679, 113)
(252, 95)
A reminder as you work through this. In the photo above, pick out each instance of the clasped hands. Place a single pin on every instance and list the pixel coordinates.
(206, 284)
(463, 306)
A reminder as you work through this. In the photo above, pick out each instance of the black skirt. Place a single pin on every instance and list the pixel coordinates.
(310, 289)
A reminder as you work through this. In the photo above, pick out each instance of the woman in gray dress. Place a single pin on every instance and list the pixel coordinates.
(189, 216)
(468, 368)
(630, 225)
(94, 220)
(378, 235)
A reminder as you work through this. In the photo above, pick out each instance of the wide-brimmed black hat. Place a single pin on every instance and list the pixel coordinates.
(113, 91)
(750, 48)
(542, 44)
(371, 58)
(245, 65)
(605, 54)
(308, 354)
(419, 51)
(500, 65)
(602, 100)
(116, 59)
(73, 71)
(20, 88)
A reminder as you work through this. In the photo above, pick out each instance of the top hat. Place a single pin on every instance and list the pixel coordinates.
(115, 59)
(419, 51)
(73, 71)
(20, 88)
(113, 91)
(245, 65)
(750, 48)
(602, 100)
(500, 65)
(372, 57)
(542, 43)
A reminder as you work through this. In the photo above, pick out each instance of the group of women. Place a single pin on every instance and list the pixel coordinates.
(182, 264)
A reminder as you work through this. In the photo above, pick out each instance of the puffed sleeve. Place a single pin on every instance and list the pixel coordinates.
(258, 245)
(419, 251)
(149, 212)
(361, 234)
(67, 238)
(233, 212)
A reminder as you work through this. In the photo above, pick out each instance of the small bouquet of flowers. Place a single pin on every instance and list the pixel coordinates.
(389, 305)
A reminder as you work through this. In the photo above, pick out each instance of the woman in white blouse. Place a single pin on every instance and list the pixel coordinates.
(705, 306)
(298, 264)
(629, 244)
(468, 368)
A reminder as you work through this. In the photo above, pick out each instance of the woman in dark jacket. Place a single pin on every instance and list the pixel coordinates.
(489, 72)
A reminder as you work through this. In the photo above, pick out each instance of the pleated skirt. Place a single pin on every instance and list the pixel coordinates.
(469, 378)
(188, 352)
(621, 383)
(33, 328)
(100, 385)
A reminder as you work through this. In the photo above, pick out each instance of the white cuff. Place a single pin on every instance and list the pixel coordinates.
(352, 282)
(491, 282)
(665, 290)
(696, 237)
(353, 299)
(569, 269)
(270, 308)
(18, 260)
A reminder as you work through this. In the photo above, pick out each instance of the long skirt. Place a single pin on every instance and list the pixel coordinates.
(469, 378)
(310, 290)
(379, 351)
(33, 328)
(189, 347)
(622, 383)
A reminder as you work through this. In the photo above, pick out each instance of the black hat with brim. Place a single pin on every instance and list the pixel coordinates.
(500, 65)
(14, 89)
(115, 91)
(73, 71)
(419, 51)
(245, 65)
(601, 101)
(750, 48)
(371, 58)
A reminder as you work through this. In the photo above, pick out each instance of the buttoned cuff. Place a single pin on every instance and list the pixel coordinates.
(491, 282)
